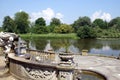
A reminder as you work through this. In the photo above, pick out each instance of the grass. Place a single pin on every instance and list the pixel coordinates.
(51, 35)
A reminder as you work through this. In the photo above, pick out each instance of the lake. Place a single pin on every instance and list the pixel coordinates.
(94, 46)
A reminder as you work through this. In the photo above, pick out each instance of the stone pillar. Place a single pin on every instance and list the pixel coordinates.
(65, 73)
(84, 52)
(66, 66)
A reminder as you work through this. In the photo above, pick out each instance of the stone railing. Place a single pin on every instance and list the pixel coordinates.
(24, 69)
(37, 55)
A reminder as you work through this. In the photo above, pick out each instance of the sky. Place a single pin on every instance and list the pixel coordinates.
(66, 10)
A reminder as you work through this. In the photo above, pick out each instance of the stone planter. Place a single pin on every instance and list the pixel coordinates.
(66, 59)
(66, 56)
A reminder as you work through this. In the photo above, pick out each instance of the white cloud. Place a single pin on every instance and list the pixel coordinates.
(102, 15)
(59, 15)
(47, 14)
(20, 10)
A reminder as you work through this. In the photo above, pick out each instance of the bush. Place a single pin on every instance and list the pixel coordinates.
(64, 28)
(86, 32)
(40, 29)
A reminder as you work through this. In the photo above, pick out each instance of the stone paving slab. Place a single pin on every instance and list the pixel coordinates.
(109, 67)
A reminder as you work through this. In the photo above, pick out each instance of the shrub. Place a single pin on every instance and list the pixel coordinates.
(86, 32)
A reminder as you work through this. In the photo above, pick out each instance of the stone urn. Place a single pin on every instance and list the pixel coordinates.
(66, 58)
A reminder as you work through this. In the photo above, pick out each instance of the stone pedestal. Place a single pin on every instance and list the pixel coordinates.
(66, 67)
(84, 52)
(66, 74)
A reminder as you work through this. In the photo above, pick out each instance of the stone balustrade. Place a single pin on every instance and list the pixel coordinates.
(41, 55)
(26, 69)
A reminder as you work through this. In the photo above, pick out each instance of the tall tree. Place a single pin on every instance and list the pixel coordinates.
(55, 21)
(22, 22)
(40, 26)
(8, 24)
(82, 21)
(115, 23)
(86, 32)
(40, 22)
(100, 23)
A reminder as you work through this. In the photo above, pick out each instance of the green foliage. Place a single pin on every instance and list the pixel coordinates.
(115, 23)
(107, 33)
(40, 22)
(64, 28)
(51, 35)
(100, 23)
(39, 27)
(82, 26)
(55, 22)
(1, 29)
(86, 32)
(51, 28)
(8, 24)
(22, 22)
(82, 21)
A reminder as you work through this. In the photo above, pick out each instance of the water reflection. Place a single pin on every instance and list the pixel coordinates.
(48, 46)
(104, 47)
(61, 44)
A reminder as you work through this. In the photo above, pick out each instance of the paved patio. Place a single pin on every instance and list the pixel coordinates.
(109, 67)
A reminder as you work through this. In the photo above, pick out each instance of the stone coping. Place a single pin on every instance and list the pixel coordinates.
(27, 61)
(51, 65)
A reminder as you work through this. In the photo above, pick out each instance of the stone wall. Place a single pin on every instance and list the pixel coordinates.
(29, 70)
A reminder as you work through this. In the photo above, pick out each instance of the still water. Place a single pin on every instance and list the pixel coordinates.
(94, 46)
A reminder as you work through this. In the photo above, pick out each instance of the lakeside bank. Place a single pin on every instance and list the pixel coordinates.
(60, 36)
(51, 35)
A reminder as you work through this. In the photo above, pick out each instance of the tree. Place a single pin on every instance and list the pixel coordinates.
(82, 21)
(55, 22)
(115, 23)
(32, 25)
(1, 29)
(86, 32)
(22, 22)
(8, 24)
(40, 26)
(64, 28)
(40, 22)
(100, 23)
(40, 29)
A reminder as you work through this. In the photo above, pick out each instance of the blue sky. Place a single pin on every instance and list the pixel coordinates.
(66, 10)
